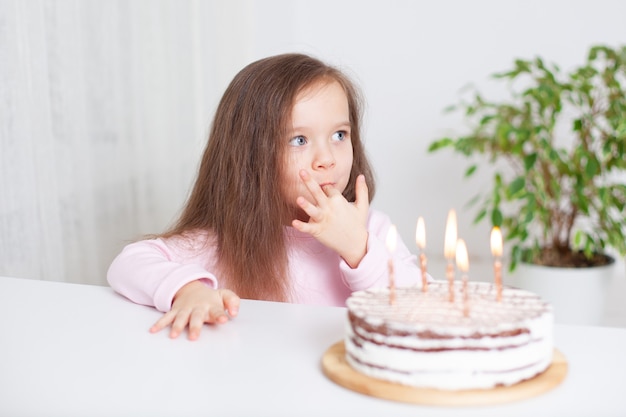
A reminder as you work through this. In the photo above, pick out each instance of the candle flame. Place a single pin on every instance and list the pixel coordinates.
(449, 248)
(392, 238)
(496, 242)
(420, 233)
(462, 261)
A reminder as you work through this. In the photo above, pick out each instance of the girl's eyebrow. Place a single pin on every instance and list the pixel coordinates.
(304, 128)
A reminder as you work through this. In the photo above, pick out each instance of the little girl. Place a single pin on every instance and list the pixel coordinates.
(279, 210)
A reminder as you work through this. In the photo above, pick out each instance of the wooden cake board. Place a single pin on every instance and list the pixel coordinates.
(337, 369)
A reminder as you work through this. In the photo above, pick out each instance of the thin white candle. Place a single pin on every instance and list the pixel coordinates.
(420, 233)
(449, 251)
(449, 243)
(462, 262)
(496, 251)
(420, 240)
(392, 238)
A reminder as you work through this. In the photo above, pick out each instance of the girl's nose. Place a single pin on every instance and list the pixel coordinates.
(324, 157)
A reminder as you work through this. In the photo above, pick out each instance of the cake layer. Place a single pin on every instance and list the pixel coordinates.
(425, 340)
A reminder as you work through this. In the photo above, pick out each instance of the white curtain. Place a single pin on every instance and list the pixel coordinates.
(104, 109)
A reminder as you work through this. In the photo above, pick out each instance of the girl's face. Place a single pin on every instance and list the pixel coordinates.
(319, 141)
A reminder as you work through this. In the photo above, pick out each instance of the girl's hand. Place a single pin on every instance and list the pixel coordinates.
(335, 222)
(195, 304)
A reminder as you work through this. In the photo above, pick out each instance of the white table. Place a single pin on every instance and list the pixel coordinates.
(74, 350)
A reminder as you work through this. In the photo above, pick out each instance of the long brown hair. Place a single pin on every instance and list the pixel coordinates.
(237, 196)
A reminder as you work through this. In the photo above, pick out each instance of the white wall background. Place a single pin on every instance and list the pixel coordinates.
(104, 106)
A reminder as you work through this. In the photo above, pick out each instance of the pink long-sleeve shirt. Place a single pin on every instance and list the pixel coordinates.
(150, 272)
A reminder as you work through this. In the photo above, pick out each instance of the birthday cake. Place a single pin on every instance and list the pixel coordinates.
(424, 340)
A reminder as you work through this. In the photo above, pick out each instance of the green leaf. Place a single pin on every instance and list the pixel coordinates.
(529, 161)
(516, 186)
(496, 217)
(481, 215)
(577, 125)
(441, 143)
(593, 167)
(486, 119)
(578, 238)
(471, 170)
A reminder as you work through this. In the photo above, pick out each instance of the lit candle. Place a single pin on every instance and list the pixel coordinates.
(420, 239)
(462, 262)
(496, 251)
(449, 250)
(392, 237)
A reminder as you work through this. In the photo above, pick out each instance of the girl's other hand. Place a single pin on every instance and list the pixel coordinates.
(195, 304)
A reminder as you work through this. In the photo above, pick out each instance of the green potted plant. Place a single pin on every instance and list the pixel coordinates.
(557, 144)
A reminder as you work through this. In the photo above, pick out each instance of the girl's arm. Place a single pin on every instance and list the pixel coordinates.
(172, 278)
(150, 272)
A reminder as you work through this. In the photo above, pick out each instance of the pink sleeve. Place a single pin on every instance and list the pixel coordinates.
(150, 272)
(373, 271)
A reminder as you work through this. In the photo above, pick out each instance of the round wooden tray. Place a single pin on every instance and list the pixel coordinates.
(336, 368)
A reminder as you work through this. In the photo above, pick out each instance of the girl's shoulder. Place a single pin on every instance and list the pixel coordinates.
(191, 240)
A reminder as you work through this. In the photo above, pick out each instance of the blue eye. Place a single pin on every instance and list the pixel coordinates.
(298, 141)
(340, 135)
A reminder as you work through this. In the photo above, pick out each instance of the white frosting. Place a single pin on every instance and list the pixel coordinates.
(424, 340)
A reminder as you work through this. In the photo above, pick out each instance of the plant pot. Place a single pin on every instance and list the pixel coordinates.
(578, 295)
